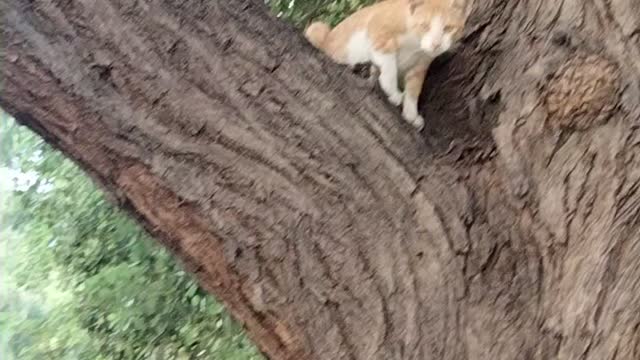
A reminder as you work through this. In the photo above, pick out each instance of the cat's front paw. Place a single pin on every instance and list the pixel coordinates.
(414, 119)
(395, 98)
(418, 123)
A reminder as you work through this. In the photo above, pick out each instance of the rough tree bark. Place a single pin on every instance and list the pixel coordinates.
(510, 230)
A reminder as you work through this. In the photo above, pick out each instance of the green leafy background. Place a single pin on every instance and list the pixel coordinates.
(80, 280)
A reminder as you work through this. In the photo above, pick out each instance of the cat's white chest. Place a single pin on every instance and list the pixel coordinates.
(409, 52)
(359, 48)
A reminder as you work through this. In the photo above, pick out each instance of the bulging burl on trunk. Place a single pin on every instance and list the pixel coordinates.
(583, 92)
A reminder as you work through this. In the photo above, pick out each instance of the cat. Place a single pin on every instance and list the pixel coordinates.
(400, 38)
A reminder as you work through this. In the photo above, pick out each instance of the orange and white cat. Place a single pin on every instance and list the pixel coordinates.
(400, 37)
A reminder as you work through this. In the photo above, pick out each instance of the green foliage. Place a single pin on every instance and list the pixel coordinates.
(89, 283)
(302, 12)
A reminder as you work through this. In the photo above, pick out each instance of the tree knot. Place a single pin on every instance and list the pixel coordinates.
(582, 93)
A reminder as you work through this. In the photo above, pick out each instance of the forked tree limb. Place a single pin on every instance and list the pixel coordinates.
(326, 224)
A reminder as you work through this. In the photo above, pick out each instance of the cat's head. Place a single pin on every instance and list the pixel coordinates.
(438, 23)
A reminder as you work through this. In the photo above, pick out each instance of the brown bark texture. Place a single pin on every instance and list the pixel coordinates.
(509, 229)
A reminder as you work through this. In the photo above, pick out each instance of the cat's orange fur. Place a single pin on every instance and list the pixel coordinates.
(400, 37)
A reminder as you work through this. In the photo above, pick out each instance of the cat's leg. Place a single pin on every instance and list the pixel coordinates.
(413, 82)
(388, 78)
(384, 56)
(374, 74)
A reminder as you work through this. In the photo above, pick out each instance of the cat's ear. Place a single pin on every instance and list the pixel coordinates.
(461, 7)
(457, 4)
(414, 4)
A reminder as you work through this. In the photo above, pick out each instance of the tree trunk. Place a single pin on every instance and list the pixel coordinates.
(324, 222)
